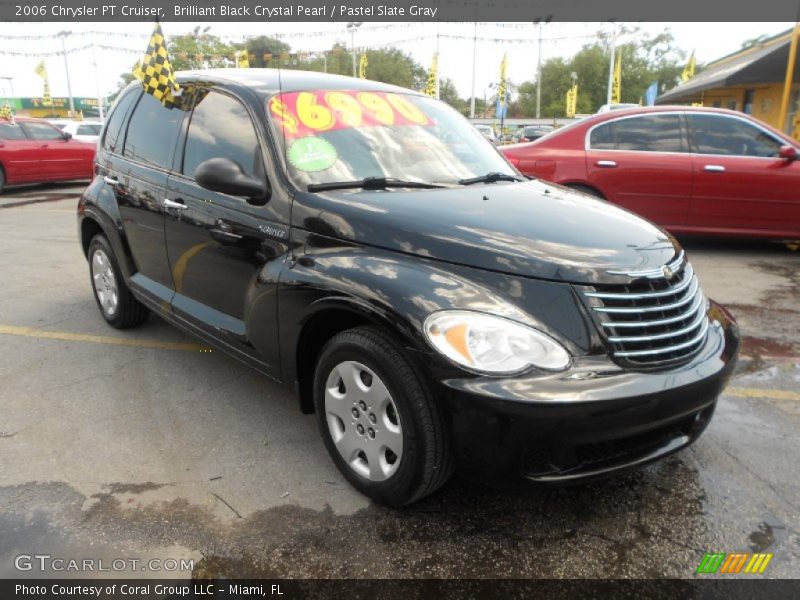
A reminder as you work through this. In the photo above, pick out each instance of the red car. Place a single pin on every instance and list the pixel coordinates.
(691, 170)
(33, 151)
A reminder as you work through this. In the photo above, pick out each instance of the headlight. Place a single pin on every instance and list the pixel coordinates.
(490, 344)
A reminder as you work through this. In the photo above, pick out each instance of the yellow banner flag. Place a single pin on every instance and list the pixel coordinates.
(503, 85)
(433, 75)
(362, 67)
(41, 70)
(572, 101)
(616, 82)
(688, 70)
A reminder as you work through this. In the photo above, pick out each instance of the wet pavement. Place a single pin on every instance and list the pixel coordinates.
(140, 444)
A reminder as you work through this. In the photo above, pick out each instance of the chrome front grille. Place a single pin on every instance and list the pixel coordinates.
(655, 321)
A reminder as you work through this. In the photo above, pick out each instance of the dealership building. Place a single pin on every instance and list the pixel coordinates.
(750, 81)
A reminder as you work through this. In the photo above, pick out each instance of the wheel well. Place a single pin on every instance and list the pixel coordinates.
(582, 187)
(315, 334)
(89, 229)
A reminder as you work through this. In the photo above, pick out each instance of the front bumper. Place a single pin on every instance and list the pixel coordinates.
(589, 421)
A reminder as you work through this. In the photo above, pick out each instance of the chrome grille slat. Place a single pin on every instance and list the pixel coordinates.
(701, 318)
(654, 320)
(698, 300)
(687, 281)
(662, 307)
(695, 340)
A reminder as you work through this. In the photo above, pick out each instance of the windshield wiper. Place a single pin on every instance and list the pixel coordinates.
(370, 183)
(492, 177)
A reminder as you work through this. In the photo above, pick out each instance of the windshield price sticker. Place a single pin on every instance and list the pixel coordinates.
(301, 114)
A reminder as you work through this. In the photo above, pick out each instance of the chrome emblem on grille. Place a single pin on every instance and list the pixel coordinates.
(667, 272)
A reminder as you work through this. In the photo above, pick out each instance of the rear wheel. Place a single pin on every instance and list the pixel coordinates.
(378, 419)
(114, 299)
(2, 180)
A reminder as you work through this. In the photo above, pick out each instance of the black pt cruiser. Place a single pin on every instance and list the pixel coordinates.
(366, 246)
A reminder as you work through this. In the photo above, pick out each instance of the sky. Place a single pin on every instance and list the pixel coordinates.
(709, 41)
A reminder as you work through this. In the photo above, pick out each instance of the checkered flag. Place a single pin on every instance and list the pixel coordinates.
(155, 71)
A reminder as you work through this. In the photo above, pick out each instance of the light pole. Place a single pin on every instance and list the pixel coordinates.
(474, 50)
(10, 81)
(539, 22)
(351, 27)
(63, 35)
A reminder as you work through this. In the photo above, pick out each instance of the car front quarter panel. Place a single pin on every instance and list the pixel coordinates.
(398, 292)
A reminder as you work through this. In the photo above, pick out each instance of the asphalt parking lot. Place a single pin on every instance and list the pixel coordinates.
(143, 444)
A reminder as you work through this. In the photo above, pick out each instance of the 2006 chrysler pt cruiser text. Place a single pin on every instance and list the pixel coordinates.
(366, 246)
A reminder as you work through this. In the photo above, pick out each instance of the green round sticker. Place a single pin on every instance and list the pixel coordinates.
(312, 154)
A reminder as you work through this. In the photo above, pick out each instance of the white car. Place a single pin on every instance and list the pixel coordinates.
(487, 131)
(84, 131)
(610, 107)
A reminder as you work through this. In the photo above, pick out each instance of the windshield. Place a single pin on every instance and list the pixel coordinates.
(332, 136)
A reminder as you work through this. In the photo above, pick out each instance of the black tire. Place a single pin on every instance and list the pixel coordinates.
(426, 462)
(585, 189)
(2, 179)
(129, 312)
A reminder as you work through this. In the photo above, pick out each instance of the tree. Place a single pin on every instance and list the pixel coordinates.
(645, 60)
(199, 50)
(265, 51)
(449, 94)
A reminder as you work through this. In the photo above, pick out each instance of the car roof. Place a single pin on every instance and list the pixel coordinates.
(267, 82)
(636, 110)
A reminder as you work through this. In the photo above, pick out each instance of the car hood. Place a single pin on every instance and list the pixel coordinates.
(532, 228)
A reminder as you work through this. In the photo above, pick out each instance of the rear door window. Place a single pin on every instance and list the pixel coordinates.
(728, 136)
(112, 141)
(42, 131)
(11, 131)
(646, 133)
(152, 132)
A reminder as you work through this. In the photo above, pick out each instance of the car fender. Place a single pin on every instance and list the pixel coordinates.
(98, 204)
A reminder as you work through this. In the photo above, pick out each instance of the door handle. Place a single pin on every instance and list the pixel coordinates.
(714, 168)
(112, 181)
(176, 204)
(607, 164)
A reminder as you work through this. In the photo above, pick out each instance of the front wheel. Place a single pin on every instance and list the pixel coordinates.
(378, 419)
(116, 302)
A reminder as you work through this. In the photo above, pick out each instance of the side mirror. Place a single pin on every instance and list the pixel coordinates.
(67, 135)
(788, 152)
(225, 176)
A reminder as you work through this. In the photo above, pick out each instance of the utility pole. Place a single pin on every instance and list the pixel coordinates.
(97, 82)
(352, 26)
(787, 84)
(611, 62)
(438, 62)
(63, 35)
(10, 81)
(474, 53)
(539, 76)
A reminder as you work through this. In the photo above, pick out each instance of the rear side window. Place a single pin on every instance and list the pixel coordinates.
(648, 133)
(113, 140)
(727, 136)
(11, 131)
(221, 128)
(43, 131)
(152, 132)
